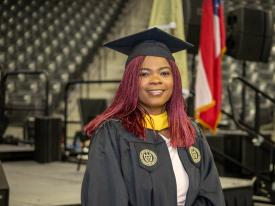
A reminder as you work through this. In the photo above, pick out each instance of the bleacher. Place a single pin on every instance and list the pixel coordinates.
(58, 38)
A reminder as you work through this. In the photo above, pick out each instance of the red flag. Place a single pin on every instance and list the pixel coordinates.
(209, 80)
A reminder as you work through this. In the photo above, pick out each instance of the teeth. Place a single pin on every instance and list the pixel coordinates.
(155, 92)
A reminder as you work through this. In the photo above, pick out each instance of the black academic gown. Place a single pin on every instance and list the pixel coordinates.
(124, 170)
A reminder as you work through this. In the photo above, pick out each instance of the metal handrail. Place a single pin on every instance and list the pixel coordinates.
(247, 83)
(238, 163)
(3, 107)
(253, 132)
(67, 88)
(31, 73)
(242, 125)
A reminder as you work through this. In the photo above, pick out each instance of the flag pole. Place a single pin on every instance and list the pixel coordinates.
(191, 98)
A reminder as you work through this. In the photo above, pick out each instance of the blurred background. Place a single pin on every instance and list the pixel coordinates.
(55, 76)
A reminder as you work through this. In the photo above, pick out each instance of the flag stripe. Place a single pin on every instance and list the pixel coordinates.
(217, 36)
(208, 81)
(203, 96)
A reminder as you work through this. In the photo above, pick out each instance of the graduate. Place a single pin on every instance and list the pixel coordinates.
(145, 150)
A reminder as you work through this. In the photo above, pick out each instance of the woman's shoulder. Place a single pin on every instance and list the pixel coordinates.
(114, 129)
(109, 124)
(198, 130)
(200, 139)
(106, 133)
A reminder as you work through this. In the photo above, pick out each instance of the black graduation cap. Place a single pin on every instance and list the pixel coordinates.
(151, 42)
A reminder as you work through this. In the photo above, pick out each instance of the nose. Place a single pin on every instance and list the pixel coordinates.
(155, 79)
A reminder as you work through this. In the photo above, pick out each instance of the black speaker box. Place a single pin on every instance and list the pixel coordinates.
(192, 19)
(90, 108)
(249, 34)
(48, 132)
(4, 188)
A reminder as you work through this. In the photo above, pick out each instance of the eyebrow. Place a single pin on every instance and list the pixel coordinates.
(161, 68)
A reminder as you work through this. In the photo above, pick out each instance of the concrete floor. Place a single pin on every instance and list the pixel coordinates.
(59, 183)
(32, 183)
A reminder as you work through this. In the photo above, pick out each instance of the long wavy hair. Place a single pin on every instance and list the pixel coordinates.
(126, 108)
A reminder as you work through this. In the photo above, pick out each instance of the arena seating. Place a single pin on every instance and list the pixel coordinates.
(57, 37)
(61, 38)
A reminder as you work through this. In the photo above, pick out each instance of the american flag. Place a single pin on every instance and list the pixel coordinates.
(208, 86)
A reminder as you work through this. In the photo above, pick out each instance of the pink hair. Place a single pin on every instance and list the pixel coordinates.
(125, 107)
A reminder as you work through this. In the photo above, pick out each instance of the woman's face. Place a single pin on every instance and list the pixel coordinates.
(155, 84)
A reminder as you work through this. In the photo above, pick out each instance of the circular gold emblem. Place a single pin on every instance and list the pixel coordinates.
(148, 157)
(195, 154)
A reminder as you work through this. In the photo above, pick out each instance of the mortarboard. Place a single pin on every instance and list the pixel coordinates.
(151, 42)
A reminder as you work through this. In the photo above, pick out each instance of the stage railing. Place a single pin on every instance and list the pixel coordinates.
(3, 106)
(254, 131)
(68, 86)
(258, 138)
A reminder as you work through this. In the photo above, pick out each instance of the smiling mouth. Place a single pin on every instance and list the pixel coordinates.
(155, 92)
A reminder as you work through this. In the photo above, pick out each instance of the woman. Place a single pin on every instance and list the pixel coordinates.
(144, 149)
